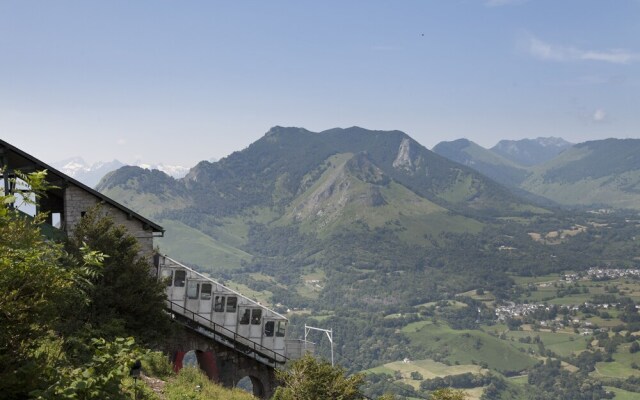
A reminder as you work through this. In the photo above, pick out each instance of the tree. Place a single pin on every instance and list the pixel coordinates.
(35, 290)
(99, 378)
(126, 299)
(311, 379)
(448, 394)
(50, 344)
(416, 376)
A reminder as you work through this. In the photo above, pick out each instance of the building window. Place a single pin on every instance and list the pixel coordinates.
(179, 278)
(244, 319)
(218, 304)
(282, 325)
(192, 290)
(269, 326)
(232, 302)
(205, 291)
(256, 316)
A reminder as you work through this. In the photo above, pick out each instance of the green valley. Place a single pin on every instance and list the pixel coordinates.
(421, 266)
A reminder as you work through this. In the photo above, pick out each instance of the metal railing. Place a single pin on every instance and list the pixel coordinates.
(226, 336)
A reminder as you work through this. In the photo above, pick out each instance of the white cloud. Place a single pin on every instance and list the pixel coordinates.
(545, 51)
(617, 56)
(499, 3)
(121, 142)
(550, 52)
(599, 115)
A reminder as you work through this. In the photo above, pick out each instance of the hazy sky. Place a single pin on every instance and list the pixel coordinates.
(182, 81)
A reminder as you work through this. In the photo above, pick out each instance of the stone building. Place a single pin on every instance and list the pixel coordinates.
(67, 202)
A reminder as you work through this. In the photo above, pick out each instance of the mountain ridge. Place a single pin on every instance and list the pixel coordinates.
(319, 183)
(267, 164)
(530, 152)
(597, 173)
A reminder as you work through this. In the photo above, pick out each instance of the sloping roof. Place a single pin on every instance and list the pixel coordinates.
(19, 159)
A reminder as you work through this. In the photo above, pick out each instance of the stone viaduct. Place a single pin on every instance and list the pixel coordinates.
(222, 364)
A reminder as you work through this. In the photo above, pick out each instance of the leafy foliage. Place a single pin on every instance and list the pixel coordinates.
(553, 382)
(447, 394)
(59, 339)
(125, 296)
(99, 378)
(36, 290)
(310, 379)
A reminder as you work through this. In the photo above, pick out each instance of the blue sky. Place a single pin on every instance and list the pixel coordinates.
(182, 81)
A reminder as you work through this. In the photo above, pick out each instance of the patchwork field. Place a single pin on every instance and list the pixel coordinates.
(498, 348)
(561, 343)
(622, 394)
(429, 369)
(467, 346)
(621, 367)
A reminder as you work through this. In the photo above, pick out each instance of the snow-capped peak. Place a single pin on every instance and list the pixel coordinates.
(90, 175)
(176, 171)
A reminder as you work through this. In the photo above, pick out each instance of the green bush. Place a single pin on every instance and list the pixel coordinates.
(193, 384)
(157, 364)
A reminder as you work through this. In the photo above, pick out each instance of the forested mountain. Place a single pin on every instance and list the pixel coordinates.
(286, 161)
(529, 152)
(602, 173)
(315, 182)
(370, 233)
(487, 162)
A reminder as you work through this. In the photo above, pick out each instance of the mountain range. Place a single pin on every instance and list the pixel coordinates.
(530, 152)
(293, 182)
(90, 174)
(401, 251)
(322, 184)
(602, 173)
(354, 227)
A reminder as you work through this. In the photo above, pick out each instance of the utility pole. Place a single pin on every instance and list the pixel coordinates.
(329, 333)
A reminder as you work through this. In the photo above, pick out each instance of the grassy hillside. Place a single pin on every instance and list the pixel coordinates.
(605, 173)
(484, 161)
(467, 346)
(190, 245)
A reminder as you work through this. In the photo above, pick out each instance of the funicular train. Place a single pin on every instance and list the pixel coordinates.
(226, 314)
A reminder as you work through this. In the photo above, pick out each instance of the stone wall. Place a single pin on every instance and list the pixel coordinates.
(77, 201)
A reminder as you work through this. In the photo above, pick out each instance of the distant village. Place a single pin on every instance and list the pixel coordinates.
(513, 310)
(597, 274)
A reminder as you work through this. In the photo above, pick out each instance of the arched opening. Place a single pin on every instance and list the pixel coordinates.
(190, 359)
(205, 360)
(252, 385)
(245, 384)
